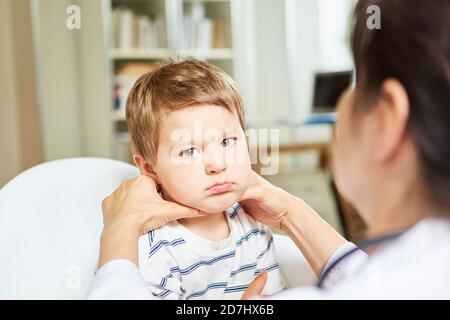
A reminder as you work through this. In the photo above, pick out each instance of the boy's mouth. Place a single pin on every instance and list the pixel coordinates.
(221, 187)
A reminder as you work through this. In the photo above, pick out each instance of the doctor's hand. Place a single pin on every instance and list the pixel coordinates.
(132, 210)
(276, 208)
(268, 204)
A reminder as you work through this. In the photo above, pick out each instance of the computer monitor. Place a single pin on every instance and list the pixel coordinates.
(328, 87)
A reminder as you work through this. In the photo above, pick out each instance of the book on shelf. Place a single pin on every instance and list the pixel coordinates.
(201, 33)
(125, 78)
(219, 34)
(137, 31)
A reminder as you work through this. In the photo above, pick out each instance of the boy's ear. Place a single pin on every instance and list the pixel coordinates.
(145, 167)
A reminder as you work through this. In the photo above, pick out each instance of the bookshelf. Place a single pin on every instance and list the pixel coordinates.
(142, 33)
(139, 54)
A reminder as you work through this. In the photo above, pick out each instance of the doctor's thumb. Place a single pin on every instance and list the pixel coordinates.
(256, 287)
(179, 211)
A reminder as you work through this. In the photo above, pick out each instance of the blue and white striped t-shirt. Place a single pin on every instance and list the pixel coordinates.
(178, 264)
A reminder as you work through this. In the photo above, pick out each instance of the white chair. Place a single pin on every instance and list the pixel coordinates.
(293, 265)
(50, 224)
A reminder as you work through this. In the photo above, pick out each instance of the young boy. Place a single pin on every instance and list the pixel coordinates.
(187, 130)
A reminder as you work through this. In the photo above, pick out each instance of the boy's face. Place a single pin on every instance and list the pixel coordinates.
(202, 160)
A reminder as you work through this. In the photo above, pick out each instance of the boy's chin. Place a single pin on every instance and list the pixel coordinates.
(217, 205)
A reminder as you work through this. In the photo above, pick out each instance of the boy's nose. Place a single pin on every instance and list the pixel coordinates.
(215, 167)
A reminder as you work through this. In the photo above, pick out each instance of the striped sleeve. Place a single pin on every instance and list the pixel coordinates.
(266, 260)
(158, 268)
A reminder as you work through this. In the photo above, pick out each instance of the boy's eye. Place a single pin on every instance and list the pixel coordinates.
(189, 152)
(229, 141)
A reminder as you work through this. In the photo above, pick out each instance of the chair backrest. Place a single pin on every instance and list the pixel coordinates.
(50, 223)
(293, 265)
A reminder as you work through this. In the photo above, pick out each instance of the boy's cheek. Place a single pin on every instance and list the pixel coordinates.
(178, 193)
(241, 175)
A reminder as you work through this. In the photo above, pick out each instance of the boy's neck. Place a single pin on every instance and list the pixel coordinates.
(213, 226)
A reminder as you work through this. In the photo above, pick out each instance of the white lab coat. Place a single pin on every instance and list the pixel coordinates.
(415, 265)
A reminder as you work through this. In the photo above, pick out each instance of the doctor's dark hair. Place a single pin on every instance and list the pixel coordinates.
(412, 46)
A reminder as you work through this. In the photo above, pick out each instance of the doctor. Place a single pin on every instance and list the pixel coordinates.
(391, 161)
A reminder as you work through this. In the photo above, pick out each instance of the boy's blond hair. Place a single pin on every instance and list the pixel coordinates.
(173, 86)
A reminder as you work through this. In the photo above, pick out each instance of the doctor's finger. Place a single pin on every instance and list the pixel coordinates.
(256, 287)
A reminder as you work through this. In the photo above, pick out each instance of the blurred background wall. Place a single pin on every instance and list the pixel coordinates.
(20, 127)
(62, 90)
